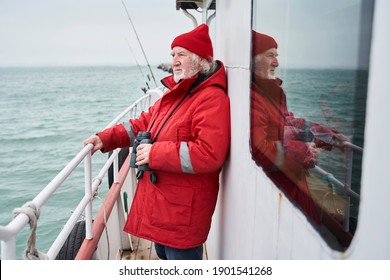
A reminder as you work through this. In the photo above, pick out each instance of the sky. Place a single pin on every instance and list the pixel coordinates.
(321, 33)
(88, 32)
(317, 34)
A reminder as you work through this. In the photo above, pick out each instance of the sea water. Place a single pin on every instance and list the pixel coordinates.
(47, 112)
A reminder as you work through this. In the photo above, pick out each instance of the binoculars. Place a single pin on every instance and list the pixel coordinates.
(143, 137)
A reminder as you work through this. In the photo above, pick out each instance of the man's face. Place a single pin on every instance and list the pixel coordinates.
(266, 63)
(183, 64)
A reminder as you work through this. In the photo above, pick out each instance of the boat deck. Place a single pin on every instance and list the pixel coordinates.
(144, 250)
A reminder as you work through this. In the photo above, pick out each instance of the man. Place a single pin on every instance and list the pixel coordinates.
(284, 146)
(190, 132)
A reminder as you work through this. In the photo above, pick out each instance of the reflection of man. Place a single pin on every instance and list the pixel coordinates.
(284, 146)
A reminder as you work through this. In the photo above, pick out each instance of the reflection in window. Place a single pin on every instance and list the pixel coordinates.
(307, 132)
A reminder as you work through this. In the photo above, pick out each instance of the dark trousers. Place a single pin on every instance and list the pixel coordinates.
(169, 253)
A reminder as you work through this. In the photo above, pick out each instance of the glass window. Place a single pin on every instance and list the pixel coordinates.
(308, 98)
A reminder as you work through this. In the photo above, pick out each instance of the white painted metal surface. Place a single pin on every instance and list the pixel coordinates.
(253, 218)
(372, 239)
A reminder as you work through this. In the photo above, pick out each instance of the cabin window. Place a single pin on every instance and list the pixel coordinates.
(308, 101)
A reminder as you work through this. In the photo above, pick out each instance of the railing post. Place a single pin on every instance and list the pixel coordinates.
(349, 161)
(134, 111)
(88, 193)
(8, 249)
(116, 168)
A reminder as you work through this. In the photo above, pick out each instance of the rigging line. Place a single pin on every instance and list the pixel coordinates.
(150, 69)
(139, 66)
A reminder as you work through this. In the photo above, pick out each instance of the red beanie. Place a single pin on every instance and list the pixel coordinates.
(262, 42)
(197, 41)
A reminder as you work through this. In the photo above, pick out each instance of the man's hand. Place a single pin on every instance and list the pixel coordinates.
(95, 141)
(339, 140)
(314, 153)
(143, 151)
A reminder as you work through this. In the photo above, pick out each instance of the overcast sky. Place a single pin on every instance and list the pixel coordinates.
(87, 32)
(323, 33)
(317, 33)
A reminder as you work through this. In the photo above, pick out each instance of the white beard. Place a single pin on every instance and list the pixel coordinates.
(271, 76)
(192, 72)
(177, 78)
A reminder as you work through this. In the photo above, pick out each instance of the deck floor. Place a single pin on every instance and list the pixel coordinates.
(144, 250)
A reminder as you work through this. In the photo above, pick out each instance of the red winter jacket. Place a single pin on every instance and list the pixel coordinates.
(186, 157)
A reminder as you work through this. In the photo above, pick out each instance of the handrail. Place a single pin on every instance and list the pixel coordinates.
(9, 232)
(321, 172)
(345, 187)
(89, 246)
(58, 243)
(20, 221)
(133, 107)
(354, 147)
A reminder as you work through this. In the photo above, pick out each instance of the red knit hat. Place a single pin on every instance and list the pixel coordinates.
(262, 42)
(197, 41)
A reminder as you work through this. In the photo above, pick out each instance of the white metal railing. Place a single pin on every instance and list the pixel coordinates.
(9, 232)
(345, 187)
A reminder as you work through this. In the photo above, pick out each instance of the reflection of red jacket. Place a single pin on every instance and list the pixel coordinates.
(187, 158)
(284, 160)
(270, 122)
